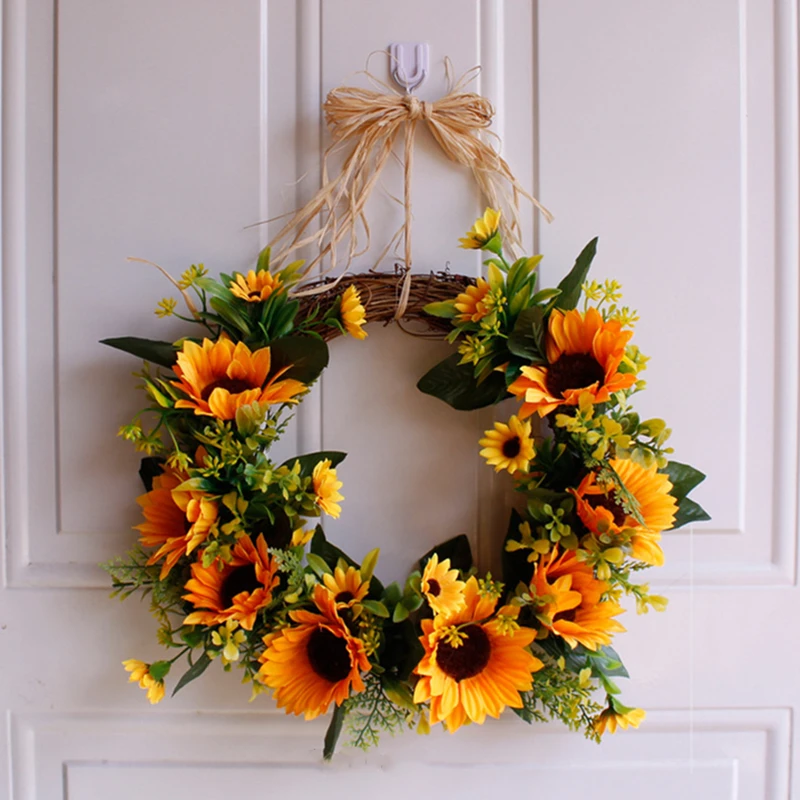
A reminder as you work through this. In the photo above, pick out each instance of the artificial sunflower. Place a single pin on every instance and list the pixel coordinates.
(347, 587)
(472, 303)
(326, 488)
(475, 663)
(315, 662)
(617, 715)
(353, 313)
(140, 673)
(442, 587)
(220, 377)
(599, 511)
(509, 447)
(237, 591)
(176, 520)
(483, 231)
(256, 287)
(570, 599)
(584, 353)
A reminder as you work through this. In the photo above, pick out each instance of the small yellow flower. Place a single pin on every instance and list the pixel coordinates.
(346, 586)
(509, 447)
(353, 313)
(326, 488)
(166, 307)
(617, 715)
(441, 586)
(484, 229)
(301, 537)
(228, 638)
(256, 287)
(472, 304)
(140, 672)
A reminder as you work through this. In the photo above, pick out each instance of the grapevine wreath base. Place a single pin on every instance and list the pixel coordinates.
(237, 572)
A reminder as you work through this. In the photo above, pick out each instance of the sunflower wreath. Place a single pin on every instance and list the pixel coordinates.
(236, 573)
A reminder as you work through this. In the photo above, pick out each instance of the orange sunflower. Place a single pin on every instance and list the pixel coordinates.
(474, 668)
(315, 662)
(237, 591)
(176, 521)
(256, 287)
(570, 597)
(600, 513)
(584, 353)
(471, 303)
(220, 377)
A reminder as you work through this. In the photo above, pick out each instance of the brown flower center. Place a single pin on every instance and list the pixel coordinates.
(344, 597)
(574, 371)
(469, 658)
(566, 616)
(434, 589)
(607, 502)
(233, 385)
(241, 579)
(511, 447)
(254, 295)
(328, 655)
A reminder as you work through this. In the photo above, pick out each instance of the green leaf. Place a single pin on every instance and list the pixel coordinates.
(318, 564)
(570, 286)
(160, 669)
(527, 338)
(369, 563)
(231, 314)
(263, 260)
(400, 613)
(689, 512)
(150, 467)
(683, 478)
(195, 671)
(544, 295)
(333, 732)
(445, 310)
(192, 635)
(329, 553)
(457, 549)
(456, 385)
(162, 353)
(310, 460)
(376, 607)
(306, 355)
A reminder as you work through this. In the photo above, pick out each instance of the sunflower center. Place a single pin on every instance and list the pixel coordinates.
(344, 597)
(574, 371)
(242, 579)
(469, 658)
(233, 385)
(254, 295)
(512, 447)
(607, 502)
(434, 589)
(328, 655)
(566, 616)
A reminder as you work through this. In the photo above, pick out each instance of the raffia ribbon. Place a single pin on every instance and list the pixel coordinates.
(372, 121)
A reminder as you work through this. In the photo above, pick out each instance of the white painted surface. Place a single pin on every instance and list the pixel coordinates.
(162, 129)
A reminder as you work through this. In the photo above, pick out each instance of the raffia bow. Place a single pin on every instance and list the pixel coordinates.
(372, 121)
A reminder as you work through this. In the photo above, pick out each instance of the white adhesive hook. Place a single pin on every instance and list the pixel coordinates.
(406, 74)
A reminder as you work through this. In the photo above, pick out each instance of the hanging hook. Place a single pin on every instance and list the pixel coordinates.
(406, 75)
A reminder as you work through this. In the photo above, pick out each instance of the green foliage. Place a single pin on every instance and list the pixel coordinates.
(457, 385)
(371, 713)
(162, 353)
(570, 285)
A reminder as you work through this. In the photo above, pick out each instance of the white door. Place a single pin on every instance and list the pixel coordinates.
(161, 128)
